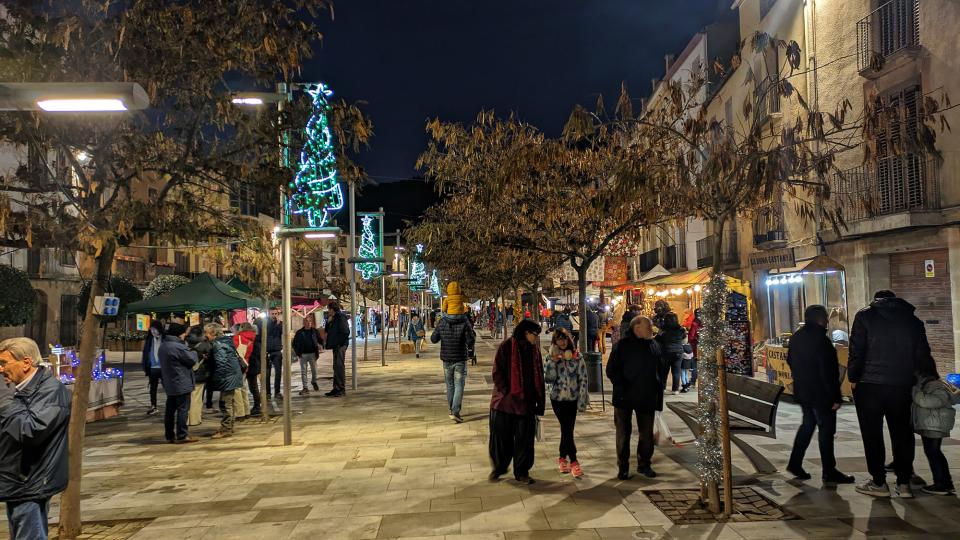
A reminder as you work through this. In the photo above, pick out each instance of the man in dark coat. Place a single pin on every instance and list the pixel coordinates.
(274, 351)
(888, 346)
(337, 339)
(456, 338)
(176, 368)
(636, 369)
(593, 328)
(33, 439)
(519, 397)
(226, 376)
(306, 346)
(816, 387)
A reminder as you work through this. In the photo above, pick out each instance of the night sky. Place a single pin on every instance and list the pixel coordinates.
(412, 60)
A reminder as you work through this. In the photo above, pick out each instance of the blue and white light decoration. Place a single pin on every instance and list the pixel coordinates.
(435, 284)
(99, 373)
(315, 190)
(418, 270)
(369, 249)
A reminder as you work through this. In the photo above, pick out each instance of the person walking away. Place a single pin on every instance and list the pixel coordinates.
(593, 329)
(306, 345)
(274, 352)
(243, 341)
(636, 369)
(632, 312)
(456, 337)
(226, 376)
(33, 439)
(337, 339)
(693, 338)
(415, 332)
(176, 365)
(563, 321)
(671, 338)
(566, 373)
(518, 399)
(888, 345)
(202, 391)
(933, 418)
(816, 388)
(151, 362)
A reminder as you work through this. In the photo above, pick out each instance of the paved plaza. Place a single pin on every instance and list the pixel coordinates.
(386, 462)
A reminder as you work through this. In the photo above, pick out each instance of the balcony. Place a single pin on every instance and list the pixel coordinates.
(675, 257)
(769, 227)
(893, 192)
(649, 259)
(729, 251)
(891, 30)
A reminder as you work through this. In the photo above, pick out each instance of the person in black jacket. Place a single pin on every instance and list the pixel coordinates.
(888, 346)
(176, 366)
(306, 345)
(337, 339)
(671, 338)
(816, 387)
(456, 337)
(274, 351)
(636, 370)
(33, 439)
(151, 361)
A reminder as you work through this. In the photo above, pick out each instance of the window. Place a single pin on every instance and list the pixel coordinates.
(181, 262)
(242, 199)
(317, 271)
(765, 7)
(728, 113)
(298, 268)
(768, 82)
(343, 267)
(901, 182)
(34, 262)
(649, 259)
(67, 258)
(68, 319)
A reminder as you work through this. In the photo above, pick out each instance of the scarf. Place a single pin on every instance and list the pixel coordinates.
(516, 369)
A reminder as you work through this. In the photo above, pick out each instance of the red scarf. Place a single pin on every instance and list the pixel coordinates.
(516, 371)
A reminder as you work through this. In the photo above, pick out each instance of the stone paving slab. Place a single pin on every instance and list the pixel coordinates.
(386, 462)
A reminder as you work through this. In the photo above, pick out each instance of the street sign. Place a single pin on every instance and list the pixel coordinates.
(775, 258)
(928, 268)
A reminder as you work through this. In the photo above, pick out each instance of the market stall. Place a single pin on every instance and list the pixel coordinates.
(106, 386)
(789, 291)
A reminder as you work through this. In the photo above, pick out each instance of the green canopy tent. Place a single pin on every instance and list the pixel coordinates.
(239, 284)
(205, 293)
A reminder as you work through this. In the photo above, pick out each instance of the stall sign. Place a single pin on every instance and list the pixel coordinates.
(929, 268)
(777, 258)
(195, 319)
(143, 323)
(614, 269)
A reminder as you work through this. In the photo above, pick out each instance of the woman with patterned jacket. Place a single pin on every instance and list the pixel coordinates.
(566, 373)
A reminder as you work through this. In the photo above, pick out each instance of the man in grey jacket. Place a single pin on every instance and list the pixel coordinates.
(456, 337)
(176, 369)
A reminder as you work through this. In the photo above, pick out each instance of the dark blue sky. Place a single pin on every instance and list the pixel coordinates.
(417, 59)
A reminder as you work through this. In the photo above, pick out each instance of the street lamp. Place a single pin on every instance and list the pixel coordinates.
(72, 97)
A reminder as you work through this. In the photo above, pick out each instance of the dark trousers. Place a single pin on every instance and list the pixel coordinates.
(154, 383)
(255, 390)
(340, 368)
(27, 520)
(623, 420)
(938, 462)
(176, 414)
(675, 364)
(876, 402)
(566, 412)
(824, 420)
(208, 396)
(274, 364)
(511, 438)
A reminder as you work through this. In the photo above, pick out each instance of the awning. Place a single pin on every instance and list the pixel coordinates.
(205, 293)
(655, 272)
(820, 263)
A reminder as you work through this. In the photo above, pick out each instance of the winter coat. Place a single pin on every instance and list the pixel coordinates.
(816, 371)
(201, 371)
(563, 321)
(671, 341)
(338, 331)
(932, 409)
(453, 303)
(518, 385)
(693, 336)
(274, 334)
(176, 366)
(593, 323)
(888, 344)
(33, 440)
(254, 359)
(635, 368)
(227, 366)
(567, 377)
(414, 327)
(625, 324)
(306, 341)
(244, 340)
(455, 336)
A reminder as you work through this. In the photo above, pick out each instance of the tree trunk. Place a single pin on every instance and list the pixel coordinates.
(71, 524)
(582, 296)
(264, 401)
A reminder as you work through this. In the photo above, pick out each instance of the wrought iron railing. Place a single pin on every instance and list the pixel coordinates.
(891, 185)
(892, 27)
(769, 226)
(729, 251)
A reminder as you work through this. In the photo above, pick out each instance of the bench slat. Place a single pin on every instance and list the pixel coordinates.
(754, 410)
(759, 390)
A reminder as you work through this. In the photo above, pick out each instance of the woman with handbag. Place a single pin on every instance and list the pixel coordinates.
(566, 373)
(416, 332)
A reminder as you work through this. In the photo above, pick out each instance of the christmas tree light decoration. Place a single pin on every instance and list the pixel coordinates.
(315, 191)
(712, 337)
(369, 249)
(435, 284)
(418, 270)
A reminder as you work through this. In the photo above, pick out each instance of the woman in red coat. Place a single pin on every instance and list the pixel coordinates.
(518, 398)
(693, 336)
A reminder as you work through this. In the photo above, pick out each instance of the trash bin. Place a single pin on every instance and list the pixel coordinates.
(594, 371)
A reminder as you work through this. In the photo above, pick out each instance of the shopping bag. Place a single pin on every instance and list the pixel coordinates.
(661, 431)
(539, 433)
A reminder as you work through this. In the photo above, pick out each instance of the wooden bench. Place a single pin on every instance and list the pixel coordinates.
(753, 411)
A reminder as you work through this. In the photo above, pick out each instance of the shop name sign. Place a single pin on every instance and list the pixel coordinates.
(778, 258)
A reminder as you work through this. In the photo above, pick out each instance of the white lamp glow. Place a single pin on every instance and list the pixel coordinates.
(81, 105)
(320, 235)
(247, 101)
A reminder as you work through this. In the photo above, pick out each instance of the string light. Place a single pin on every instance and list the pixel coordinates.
(369, 249)
(418, 270)
(315, 190)
(713, 335)
(99, 372)
(435, 284)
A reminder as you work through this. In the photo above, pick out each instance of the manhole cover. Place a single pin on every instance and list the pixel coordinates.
(683, 506)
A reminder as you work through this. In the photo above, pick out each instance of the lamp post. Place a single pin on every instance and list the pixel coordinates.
(72, 97)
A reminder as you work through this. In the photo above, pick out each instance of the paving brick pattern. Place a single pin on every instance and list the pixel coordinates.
(386, 462)
(684, 506)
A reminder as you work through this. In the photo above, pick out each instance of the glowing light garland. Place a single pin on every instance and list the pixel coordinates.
(712, 337)
(369, 249)
(435, 284)
(315, 191)
(418, 270)
(99, 373)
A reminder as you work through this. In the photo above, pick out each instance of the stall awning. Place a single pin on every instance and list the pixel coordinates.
(205, 293)
(820, 263)
(654, 273)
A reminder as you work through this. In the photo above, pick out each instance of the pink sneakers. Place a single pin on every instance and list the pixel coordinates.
(564, 466)
(576, 470)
